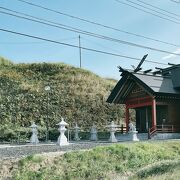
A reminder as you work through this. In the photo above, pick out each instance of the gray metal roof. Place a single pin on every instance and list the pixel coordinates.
(155, 85)
(158, 84)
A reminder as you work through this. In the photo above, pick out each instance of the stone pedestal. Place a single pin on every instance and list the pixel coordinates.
(34, 137)
(133, 136)
(133, 132)
(76, 130)
(93, 133)
(62, 139)
(112, 129)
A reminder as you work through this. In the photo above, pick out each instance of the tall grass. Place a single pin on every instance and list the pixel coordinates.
(121, 160)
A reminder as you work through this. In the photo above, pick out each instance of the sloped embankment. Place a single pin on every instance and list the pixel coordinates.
(76, 94)
(136, 160)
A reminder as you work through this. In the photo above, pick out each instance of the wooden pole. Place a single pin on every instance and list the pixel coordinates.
(80, 51)
(154, 113)
(127, 118)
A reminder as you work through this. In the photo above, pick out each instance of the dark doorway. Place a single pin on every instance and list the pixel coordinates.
(162, 114)
(143, 119)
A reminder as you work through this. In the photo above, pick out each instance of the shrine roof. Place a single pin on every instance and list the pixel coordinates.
(154, 85)
(158, 84)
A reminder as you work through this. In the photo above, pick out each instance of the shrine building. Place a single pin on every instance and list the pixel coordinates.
(155, 97)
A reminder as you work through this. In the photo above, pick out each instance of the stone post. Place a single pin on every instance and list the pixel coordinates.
(93, 133)
(34, 137)
(62, 139)
(76, 130)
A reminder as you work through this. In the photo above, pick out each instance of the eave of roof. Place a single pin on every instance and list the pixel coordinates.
(154, 85)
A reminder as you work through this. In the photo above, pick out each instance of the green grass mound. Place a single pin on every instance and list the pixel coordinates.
(76, 94)
(162, 170)
(111, 162)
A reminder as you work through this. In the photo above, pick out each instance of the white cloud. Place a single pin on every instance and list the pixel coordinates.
(170, 56)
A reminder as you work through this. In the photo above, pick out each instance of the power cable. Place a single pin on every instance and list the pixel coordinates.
(97, 23)
(159, 8)
(61, 26)
(175, 1)
(135, 7)
(169, 16)
(75, 46)
(31, 42)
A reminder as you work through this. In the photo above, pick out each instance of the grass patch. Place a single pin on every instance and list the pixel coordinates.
(120, 160)
(158, 170)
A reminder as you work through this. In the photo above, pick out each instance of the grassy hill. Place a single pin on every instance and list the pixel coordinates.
(76, 94)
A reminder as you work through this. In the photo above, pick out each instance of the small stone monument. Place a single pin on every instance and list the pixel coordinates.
(62, 139)
(76, 130)
(112, 129)
(93, 133)
(133, 132)
(34, 137)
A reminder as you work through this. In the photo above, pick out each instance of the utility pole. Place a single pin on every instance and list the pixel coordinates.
(80, 50)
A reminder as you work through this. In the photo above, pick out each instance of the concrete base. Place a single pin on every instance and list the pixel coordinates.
(133, 136)
(62, 140)
(161, 136)
(112, 138)
(34, 139)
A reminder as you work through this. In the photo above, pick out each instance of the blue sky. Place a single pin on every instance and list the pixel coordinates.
(108, 12)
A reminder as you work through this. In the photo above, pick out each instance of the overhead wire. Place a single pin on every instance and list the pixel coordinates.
(38, 42)
(98, 44)
(76, 46)
(175, 1)
(96, 23)
(72, 29)
(156, 11)
(158, 8)
(148, 12)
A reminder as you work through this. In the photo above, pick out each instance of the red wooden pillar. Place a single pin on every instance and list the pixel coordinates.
(153, 112)
(127, 118)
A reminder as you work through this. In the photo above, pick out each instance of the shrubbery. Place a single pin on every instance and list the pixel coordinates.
(77, 95)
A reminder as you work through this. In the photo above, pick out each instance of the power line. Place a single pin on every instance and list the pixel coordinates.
(159, 8)
(69, 28)
(98, 44)
(178, 1)
(31, 42)
(76, 46)
(169, 16)
(135, 7)
(97, 23)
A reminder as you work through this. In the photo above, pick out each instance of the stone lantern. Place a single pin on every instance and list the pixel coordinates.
(34, 137)
(112, 129)
(62, 139)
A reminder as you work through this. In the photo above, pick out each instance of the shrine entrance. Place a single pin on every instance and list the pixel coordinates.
(143, 119)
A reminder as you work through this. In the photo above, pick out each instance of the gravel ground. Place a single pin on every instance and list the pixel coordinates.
(18, 151)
